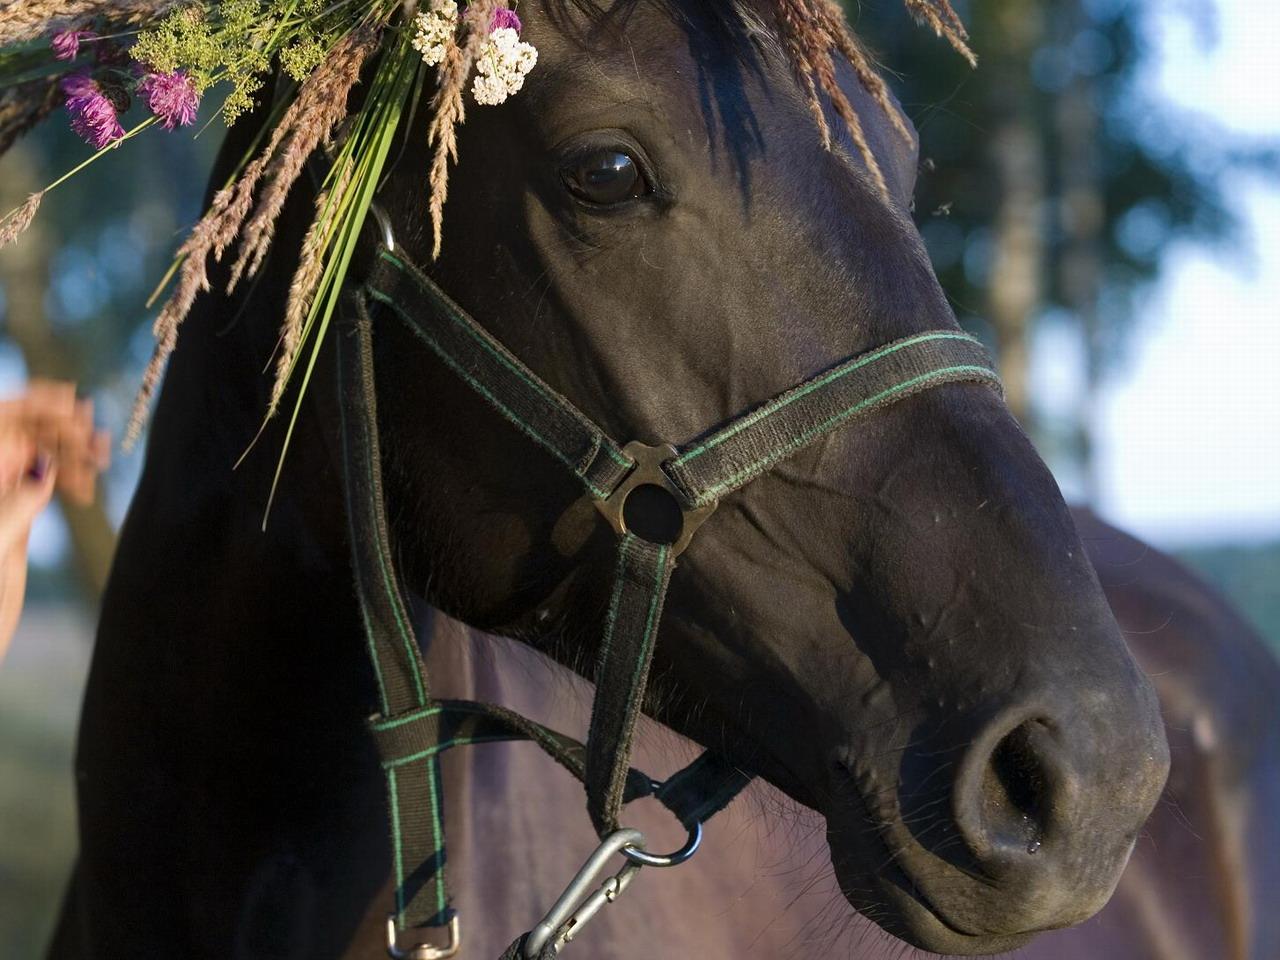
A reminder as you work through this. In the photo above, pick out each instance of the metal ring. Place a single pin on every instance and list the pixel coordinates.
(644, 858)
(647, 470)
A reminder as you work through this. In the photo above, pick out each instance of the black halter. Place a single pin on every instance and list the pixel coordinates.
(412, 729)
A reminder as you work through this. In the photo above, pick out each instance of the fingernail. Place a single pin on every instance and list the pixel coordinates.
(40, 469)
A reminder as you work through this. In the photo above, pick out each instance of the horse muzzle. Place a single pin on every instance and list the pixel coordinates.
(1028, 830)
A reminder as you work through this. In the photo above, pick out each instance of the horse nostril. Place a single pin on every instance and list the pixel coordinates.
(1005, 796)
(1014, 801)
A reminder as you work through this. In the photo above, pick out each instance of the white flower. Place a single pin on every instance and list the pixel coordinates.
(504, 61)
(437, 28)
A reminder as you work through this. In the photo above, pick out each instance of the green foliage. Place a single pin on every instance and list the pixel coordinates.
(302, 56)
(228, 46)
(234, 41)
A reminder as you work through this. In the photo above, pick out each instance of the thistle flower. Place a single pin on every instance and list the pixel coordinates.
(504, 61)
(437, 29)
(66, 43)
(505, 19)
(93, 115)
(172, 97)
(78, 84)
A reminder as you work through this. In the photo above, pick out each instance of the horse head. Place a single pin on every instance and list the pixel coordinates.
(898, 625)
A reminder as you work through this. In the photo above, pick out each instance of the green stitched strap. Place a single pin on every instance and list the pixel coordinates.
(622, 672)
(751, 444)
(497, 375)
(410, 745)
(428, 732)
(393, 647)
(413, 790)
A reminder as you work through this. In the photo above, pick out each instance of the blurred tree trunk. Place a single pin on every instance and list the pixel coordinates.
(24, 276)
(1082, 215)
(1017, 157)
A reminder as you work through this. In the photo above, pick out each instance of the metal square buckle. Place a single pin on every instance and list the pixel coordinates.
(424, 951)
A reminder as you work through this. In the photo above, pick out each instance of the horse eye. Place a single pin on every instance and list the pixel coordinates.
(605, 177)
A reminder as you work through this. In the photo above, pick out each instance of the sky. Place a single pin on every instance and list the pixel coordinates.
(1189, 433)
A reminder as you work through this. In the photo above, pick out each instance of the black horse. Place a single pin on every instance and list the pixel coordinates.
(898, 627)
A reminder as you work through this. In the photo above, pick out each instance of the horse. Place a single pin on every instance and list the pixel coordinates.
(898, 627)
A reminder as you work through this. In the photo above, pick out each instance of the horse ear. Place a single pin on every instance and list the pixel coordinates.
(903, 161)
(898, 156)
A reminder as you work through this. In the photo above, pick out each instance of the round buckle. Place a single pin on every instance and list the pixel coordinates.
(648, 472)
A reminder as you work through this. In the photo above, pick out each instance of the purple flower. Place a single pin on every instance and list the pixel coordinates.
(172, 97)
(93, 115)
(78, 84)
(66, 43)
(502, 17)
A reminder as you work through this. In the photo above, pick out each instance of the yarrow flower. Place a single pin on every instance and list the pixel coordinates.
(172, 97)
(437, 28)
(93, 114)
(503, 63)
(66, 43)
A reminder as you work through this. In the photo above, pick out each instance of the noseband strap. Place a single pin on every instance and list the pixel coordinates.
(412, 729)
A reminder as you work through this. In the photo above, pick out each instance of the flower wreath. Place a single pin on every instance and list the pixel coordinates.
(94, 58)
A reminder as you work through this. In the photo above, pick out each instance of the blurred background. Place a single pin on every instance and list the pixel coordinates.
(1100, 201)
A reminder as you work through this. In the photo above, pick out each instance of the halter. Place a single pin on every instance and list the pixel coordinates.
(412, 729)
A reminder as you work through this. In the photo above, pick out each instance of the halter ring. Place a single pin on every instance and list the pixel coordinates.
(648, 472)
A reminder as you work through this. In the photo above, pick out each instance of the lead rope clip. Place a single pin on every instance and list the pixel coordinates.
(583, 899)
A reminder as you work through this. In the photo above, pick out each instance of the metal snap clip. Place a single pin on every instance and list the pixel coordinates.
(580, 902)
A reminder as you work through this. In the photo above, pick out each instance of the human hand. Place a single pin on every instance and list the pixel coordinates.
(47, 442)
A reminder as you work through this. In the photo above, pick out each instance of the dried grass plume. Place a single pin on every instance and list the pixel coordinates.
(23, 20)
(302, 290)
(18, 219)
(449, 107)
(320, 104)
